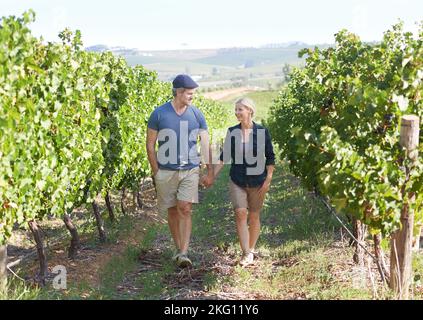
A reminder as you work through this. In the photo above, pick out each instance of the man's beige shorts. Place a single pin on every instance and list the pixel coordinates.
(172, 186)
(245, 198)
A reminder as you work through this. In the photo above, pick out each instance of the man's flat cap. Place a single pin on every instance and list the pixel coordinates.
(184, 81)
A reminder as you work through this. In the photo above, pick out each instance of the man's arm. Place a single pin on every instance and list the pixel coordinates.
(151, 150)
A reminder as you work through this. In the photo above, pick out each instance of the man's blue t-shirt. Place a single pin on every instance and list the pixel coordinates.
(177, 136)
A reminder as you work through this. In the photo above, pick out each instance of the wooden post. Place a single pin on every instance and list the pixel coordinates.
(3, 269)
(360, 232)
(401, 240)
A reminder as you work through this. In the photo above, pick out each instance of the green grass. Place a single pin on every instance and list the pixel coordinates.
(263, 100)
(16, 289)
(150, 281)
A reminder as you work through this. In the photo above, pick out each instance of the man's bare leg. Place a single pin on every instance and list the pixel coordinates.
(185, 224)
(173, 222)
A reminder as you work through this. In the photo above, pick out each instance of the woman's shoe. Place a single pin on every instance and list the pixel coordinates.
(246, 259)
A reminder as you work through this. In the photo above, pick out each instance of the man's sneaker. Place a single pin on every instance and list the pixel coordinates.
(175, 256)
(183, 261)
(246, 259)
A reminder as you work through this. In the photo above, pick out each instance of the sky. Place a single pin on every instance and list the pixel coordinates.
(199, 24)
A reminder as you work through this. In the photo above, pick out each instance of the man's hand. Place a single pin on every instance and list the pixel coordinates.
(151, 152)
(155, 172)
(207, 181)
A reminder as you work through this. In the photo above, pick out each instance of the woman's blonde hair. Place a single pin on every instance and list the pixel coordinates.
(247, 102)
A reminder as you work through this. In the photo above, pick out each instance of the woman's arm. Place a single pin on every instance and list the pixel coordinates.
(226, 149)
(217, 168)
(270, 170)
(270, 165)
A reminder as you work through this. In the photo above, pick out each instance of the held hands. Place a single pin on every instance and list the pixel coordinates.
(207, 181)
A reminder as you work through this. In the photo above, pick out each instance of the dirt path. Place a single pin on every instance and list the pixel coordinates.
(212, 262)
(214, 251)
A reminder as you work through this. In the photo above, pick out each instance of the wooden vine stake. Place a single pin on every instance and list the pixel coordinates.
(3, 269)
(401, 240)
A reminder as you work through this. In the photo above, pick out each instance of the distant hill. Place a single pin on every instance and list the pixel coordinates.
(233, 57)
(249, 57)
(117, 50)
(285, 45)
(212, 67)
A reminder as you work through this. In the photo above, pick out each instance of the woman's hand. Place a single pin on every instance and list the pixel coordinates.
(265, 187)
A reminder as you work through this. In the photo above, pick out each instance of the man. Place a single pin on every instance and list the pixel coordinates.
(176, 126)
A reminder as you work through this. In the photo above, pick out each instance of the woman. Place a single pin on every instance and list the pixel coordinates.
(248, 147)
